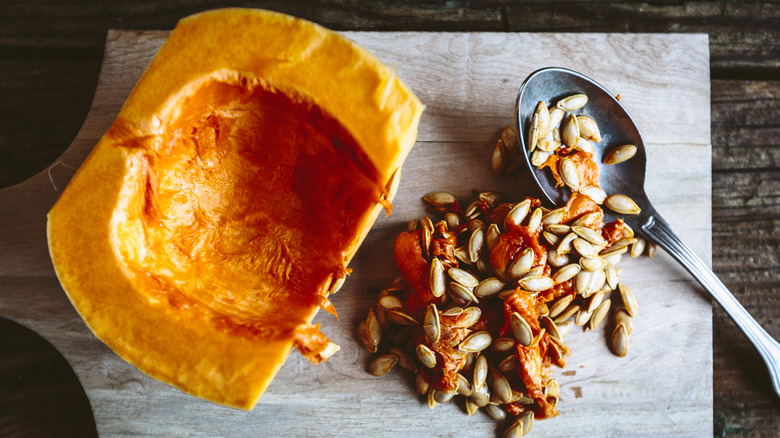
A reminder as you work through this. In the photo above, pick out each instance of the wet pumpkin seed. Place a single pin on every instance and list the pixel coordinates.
(570, 132)
(517, 214)
(573, 102)
(498, 158)
(588, 128)
(421, 384)
(620, 154)
(489, 287)
(496, 412)
(431, 324)
(462, 277)
(492, 236)
(462, 292)
(426, 355)
(522, 264)
(566, 273)
(568, 171)
(437, 279)
(441, 201)
(554, 217)
(382, 365)
(499, 385)
(476, 342)
(373, 329)
(480, 373)
(622, 204)
(401, 318)
(560, 305)
(637, 248)
(536, 283)
(363, 338)
(595, 193)
(521, 330)
(599, 313)
(404, 360)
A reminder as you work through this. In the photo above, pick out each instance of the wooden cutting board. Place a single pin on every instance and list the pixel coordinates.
(468, 82)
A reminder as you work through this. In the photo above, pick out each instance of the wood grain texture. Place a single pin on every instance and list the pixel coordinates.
(468, 83)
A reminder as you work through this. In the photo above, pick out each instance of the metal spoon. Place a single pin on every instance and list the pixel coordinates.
(628, 178)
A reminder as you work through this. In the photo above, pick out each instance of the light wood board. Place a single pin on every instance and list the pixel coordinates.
(468, 82)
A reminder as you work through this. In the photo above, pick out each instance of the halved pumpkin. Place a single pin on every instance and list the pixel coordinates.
(212, 220)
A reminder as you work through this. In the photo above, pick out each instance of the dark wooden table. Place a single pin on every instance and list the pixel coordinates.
(50, 55)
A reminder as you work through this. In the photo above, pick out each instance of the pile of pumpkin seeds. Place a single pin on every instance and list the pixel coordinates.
(579, 261)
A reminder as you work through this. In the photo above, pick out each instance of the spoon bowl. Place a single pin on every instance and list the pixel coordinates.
(617, 127)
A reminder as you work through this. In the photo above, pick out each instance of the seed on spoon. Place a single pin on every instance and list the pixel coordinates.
(556, 117)
(573, 102)
(571, 131)
(622, 204)
(588, 128)
(568, 171)
(620, 154)
(595, 193)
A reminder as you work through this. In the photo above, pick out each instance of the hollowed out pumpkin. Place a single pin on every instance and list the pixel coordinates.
(209, 224)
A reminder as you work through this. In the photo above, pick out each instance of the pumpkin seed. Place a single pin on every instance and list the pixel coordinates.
(551, 238)
(498, 158)
(549, 325)
(584, 248)
(536, 283)
(462, 292)
(629, 300)
(453, 311)
(489, 287)
(565, 315)
(622, 317)
(597, 281)
(383, 364)
(481, 396)
(509, 135)
(463, 277)
(568, 172)
(573, 102)
(582, 281)
(517, 214)
(557, 260)
(432, 403)
(464, 387)
(521, 330)
(431, 324)
(556, 116)
(528, 422)
(426, 223)
(612, 260)
(622, 204)
(542, 116)
(522, 264)
(509, 364)
(390, 302)
(534, 272)
(613, 277)
(426, 355)
(637, 248)
(496, 412)
(547, 143)
(471, 407)
(620, 154)
(499, 385)
(411, 226)
(462, 254)
(476, 224)
(441, 201)
(492, 236)
(554, 217)
(480, 373)
(589, 234)
(401, 318)
(613, 251)
(570, 132)
(539, 157)
(476, 342)
(619, 340)
(651, 249)
(404, 360)
(491, 199)
(560, 305)
(472, 316)
(502, 345)
(425, 242)
(588, 128)
(373, 329)
(625, 241)
(363, 338)
(581, 317)
(564, 328)
(437, 280)
(584, 144)
(595, 193)
(588, 220)
(473, 209)
(566, 273)
(421, 384)
(453, 220)
(565, 245)
(533, 133)
(535, 221)
(599, 313)
(627, 230)
(476, 242)
(443, 396)
(593, 263)
(515, 430)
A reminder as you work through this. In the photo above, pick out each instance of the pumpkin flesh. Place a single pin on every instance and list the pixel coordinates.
(209, 224)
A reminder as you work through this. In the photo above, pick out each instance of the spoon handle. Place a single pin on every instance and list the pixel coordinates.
(659, 231)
